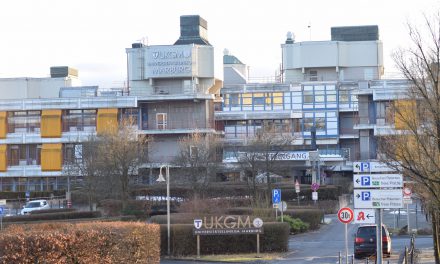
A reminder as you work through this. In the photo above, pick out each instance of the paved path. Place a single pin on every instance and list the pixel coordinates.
(323, 246)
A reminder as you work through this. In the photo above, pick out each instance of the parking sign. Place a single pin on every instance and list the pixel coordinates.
(276, 196)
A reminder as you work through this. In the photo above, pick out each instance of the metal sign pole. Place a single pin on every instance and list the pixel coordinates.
(282, 214)
(407, 218)
(198, 246)
(258, 245)
(346, 244)
(379, 237)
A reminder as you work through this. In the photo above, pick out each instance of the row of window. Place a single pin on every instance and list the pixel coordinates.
(20, 184)
(325, 123)
(312, 97)
(72, 120)
(30, 154)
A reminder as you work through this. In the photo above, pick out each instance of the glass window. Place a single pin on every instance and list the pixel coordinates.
(79, 120)
(343, 96)
(130, 114)
(247, 99)
(24, 121)
(258, 99)
(234, 100)
(308, 124)
(308, 97)
(21, 155)
(320, 123)
(319, 96)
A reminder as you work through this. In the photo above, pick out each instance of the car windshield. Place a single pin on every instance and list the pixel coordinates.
(369, 231)
(32, 205)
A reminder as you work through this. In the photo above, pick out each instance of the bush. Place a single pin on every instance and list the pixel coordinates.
(112, 207)
(48, 211)
(311, 216)
(97, 242)
(183, 242)
(52, 216)
(296, 225)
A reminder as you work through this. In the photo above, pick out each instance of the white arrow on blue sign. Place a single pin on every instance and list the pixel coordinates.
(276, 196)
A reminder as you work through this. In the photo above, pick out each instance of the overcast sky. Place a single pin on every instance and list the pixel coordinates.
(92, 35)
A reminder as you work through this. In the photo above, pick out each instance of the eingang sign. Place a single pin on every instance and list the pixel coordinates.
(227, 225)
(279, 156)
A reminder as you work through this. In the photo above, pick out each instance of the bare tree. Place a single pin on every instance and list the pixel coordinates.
(85, 162)
(415, 148)
(122, 152)
(198, 159)
(109, 161)
(259, 155)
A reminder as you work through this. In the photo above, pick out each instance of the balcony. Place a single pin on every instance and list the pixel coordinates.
(178, 127)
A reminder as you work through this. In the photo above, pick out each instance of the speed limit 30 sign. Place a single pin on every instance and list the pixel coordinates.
(345, 215)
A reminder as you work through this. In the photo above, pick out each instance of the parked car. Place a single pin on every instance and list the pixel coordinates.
(365, 241)
(35, 205)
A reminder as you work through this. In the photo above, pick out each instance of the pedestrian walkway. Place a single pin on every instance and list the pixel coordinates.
(426, 256)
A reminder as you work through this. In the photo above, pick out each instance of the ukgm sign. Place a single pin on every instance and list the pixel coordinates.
(169, 61)
(227, 225)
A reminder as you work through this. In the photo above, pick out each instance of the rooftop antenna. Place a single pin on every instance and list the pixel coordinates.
(310, 30)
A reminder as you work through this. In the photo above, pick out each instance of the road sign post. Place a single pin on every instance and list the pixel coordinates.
(364, 216)
(297, 189)
(345, 216)
(276, 199)
(377, 198)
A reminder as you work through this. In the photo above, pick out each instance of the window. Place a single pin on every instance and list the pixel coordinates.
(258, 99)
(79, 120)
(21, 155)
(319, 96)
(234, 100)
(161, 121)
(343, 96)
(24, 121)
(308, 123)
(131, 115)
(313, 76)
(320, 123)
(308, 97)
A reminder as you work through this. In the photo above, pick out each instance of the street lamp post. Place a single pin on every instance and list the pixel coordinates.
(161, 179)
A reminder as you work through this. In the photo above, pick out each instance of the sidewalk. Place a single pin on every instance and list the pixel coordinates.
(426, 256)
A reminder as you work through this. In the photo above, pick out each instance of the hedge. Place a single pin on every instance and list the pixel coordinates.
(55, 210)
(183, 242)
(98, 242)
(311, 216)
(328, 192)
(33, 195)
(52, 216)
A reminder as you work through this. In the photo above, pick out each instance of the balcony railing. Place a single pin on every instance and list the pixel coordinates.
(180, 124)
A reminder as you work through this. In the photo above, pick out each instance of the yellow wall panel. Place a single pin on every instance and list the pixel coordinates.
(3, 124)
(51, 157)
(404, 114)
(3, 158)
(107, 120)
(51, 124)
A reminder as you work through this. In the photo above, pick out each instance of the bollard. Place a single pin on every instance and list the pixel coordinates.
(352, 259)
(340, 258)
(368, 260)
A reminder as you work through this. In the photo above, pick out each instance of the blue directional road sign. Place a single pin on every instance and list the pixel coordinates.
(1, 210)
(276, 196)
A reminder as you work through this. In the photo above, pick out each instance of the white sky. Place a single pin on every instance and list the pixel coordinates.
(92, 35)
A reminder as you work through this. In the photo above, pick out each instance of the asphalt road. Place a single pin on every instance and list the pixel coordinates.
(324, 245)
